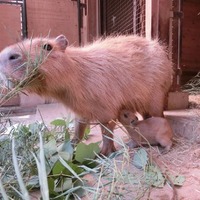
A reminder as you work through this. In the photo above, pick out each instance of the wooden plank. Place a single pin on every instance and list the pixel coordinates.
(92, 20)
(148, 19)
(190, 36)
(164, 17)
(174, 44)
(155, 18)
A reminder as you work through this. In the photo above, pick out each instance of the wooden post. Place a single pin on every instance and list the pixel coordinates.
(148, 20)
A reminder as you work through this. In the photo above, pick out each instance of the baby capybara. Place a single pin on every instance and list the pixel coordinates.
(154, 130)
(96, 81)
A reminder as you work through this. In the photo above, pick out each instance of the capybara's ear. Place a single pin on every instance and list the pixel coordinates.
(62, 41)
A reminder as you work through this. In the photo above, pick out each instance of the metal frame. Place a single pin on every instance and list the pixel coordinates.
(21, 3)
(80, 7)
(148, 19)
(175, 41)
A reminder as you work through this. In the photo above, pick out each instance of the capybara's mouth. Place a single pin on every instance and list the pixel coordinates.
(22, 76)
(12, 83)
(7, 82)
(133, 122)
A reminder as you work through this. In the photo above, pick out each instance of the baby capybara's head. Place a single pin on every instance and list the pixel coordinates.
(126, 117)
(25, 59)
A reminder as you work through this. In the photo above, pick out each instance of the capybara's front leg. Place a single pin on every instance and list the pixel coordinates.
(107, 136)
(80, 126)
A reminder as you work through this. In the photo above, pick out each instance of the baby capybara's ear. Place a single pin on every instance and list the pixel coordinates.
(62, 41)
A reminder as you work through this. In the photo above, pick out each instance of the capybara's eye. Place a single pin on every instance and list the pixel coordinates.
(125, 115)
(47, 47)
(14, 57)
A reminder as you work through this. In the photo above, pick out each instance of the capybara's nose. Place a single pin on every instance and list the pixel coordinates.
(14, 57)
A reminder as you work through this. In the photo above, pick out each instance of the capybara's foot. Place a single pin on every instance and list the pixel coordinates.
(107, 150)
(166, 149)
(167, 144)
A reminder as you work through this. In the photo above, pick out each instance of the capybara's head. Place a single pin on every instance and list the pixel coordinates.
(126, 117)
(25, 60)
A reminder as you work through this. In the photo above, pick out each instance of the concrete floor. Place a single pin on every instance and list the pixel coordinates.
(49, 112)
(183, 158)
(183, 122)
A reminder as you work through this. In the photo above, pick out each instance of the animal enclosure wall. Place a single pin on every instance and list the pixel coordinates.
(46, 17)
(190, 62)
(10, 32)
(10, 25)
(124, 17)
(53, 17)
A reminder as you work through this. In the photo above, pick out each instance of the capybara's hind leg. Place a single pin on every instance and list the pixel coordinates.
(80, 126)
(107, 135)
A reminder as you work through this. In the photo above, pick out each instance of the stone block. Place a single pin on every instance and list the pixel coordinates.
(177, 100)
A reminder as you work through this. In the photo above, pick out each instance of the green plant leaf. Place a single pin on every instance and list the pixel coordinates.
(84, 151)
(34, 127)
(58, 122)
(64, 184)
(50, 163)
(80, 192)
(140, 159)
(50, 148)
(67, 147)
(86, 133)
(51, 154)
(58, 168)
(68, 167)
(78, 170)
(177, 180)
(154, 177)
(67, 134)
(65, 155)
(50, 184)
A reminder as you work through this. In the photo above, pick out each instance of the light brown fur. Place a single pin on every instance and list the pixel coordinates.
(154, 130)
(98, 80)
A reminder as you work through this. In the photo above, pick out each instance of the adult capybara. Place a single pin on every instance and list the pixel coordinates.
(154, 130)
(96, 81)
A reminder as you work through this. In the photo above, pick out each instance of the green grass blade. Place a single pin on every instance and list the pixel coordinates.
(69, 168)
(42, 171)
(3, 192)
(24, 191)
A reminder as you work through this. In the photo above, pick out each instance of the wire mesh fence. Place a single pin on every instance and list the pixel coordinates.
(123, 17)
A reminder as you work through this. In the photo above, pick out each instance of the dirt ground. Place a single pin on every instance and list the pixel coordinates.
(183, 158)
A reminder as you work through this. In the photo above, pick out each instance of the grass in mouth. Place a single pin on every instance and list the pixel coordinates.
(11, 86)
